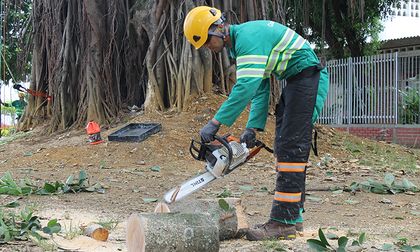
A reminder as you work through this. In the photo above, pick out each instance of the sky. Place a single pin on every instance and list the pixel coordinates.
(400, 27)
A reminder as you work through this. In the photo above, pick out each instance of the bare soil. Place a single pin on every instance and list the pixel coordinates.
(124, 169)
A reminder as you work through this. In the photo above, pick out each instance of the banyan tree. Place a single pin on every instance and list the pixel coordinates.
(94, 58)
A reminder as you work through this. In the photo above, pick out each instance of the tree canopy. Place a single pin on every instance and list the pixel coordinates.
(15, 46)
(343, 27)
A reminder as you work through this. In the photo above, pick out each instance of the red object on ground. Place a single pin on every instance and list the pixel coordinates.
(93, 128)
(94, 131)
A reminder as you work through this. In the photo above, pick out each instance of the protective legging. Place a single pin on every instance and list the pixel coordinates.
(293, 142)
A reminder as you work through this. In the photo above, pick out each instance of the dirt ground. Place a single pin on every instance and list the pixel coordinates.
(124, 169)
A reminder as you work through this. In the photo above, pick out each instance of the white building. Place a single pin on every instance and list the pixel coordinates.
(403, 22)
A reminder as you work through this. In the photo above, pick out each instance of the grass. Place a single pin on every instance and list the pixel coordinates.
(108, 224)
(382, 156)
(13, 137)
(45, 245)
(273, 245)
(71, 232)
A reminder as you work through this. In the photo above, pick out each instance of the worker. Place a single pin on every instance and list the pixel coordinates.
(19, 105)
(262, 48)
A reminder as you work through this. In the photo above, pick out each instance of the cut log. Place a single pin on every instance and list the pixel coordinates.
(171, 232)
(162, 208)
(232, 222)
(97, 232)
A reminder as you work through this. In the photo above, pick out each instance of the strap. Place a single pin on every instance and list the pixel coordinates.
(314, 144)
(32, 92)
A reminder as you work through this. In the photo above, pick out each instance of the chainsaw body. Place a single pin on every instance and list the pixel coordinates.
(221, 156)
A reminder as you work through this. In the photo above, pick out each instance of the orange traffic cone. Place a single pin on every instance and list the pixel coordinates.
(94, 131)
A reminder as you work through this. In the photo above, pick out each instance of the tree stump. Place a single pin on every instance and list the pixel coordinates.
(232, 222)
(171, 232)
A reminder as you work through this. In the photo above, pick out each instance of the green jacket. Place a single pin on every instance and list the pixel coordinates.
(262, 48)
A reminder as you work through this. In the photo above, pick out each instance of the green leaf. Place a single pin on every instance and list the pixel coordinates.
(155, 168)
(322, 237)
(342, 242)
(416, 247)
(12, 204)
(49, 188)
(149, 200)
(416, 213)
(341, 249)
(224, 205)
(316, 245)
(27, 154)
(313, 198)
(263, 189)
(225, 194)
(362, 238)
(389, 179)
(52, 227)
(408, 185)
(69, 180)
(355, 243)
(331, 236)
(246, 188)
(406, 248)
(351, 202)
(82, 177)
(387, 247)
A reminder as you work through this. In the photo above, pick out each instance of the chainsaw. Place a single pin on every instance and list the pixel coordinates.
(222, 156)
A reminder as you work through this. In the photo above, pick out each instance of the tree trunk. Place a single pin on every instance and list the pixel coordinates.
(232, 223)
(172, 232)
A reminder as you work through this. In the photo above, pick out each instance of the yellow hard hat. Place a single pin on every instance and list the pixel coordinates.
(21, 95)
(197, 24)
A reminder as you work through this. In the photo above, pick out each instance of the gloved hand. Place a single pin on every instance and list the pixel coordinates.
(208, 131)
(249, 137)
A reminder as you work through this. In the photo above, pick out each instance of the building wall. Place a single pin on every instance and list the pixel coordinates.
(408, 135)
(402, 22)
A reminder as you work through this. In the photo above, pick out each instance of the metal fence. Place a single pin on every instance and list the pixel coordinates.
(380, 89)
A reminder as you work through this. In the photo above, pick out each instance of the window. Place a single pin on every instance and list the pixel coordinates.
(404, 14)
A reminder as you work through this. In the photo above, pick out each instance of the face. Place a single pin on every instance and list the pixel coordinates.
(214, 43)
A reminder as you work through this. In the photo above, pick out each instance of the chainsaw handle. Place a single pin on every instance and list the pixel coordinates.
(260, 145)
(198, 153)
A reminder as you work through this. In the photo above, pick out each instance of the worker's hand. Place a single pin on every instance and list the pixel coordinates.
(249, 137)
(208, 131)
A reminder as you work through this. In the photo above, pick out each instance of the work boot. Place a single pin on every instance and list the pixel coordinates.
(299, 226)
(272, 230)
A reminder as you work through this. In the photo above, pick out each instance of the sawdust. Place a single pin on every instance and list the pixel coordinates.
(125, 171)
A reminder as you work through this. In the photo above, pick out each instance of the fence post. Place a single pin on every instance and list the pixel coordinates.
(396, 87)
(350, 90)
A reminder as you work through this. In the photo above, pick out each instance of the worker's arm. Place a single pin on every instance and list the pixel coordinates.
(249, 76)
(259, 106)
(242, 93)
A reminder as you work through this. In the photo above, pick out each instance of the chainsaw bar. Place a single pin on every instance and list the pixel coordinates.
(188, 187)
